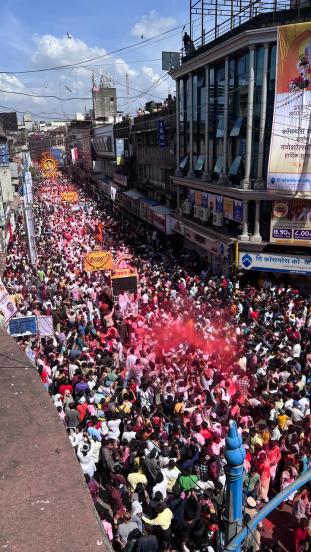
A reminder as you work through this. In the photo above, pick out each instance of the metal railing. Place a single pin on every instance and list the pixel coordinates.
(239, 14)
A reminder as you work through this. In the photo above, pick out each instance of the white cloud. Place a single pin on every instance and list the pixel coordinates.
(11, 83)
(52, 50)
(152, 24)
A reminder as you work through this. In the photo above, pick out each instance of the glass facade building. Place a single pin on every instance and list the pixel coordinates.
(225, 97)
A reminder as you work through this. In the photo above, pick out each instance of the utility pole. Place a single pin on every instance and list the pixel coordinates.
(234, 455)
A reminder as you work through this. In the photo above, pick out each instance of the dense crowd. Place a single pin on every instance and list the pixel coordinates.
(146, 398)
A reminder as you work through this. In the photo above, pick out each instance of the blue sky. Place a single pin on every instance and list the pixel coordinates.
(33, 36)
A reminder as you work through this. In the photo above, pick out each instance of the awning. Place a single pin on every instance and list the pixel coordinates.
(133, 194)
(149, 201)
(162, 209)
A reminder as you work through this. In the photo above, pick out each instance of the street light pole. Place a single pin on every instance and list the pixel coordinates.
(234, 455)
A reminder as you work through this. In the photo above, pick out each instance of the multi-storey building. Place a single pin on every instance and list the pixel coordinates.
(225, 89)
(153, 139)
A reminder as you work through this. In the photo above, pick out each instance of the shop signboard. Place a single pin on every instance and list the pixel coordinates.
(268, 262)
(161, 133)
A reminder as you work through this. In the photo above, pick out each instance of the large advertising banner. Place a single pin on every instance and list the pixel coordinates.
(291, 222)
(7, 307)
(289, 167)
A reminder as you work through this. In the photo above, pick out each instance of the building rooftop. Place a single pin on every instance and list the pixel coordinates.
(248, 15)
(45, 504)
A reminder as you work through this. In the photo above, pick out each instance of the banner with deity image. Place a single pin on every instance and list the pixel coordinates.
(289, 167)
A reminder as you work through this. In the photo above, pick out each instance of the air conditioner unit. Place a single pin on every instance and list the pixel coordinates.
(205, 214)
(218, 219)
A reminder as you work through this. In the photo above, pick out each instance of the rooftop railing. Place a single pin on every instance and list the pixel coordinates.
(224, 16)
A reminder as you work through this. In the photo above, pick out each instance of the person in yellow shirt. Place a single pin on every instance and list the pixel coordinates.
(136, 477)
(282, 420)
(179, 406)
(163, 519)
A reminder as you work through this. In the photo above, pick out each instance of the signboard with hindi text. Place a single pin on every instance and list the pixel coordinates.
(98, 260)
(289, 167)
(268, 262)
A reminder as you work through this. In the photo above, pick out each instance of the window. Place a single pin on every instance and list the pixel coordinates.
(219, 164)
(200, 163)
(235, 166)
(184, 163)
(220, 128)
(235, 131)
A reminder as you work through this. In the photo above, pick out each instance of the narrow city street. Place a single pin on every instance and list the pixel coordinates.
(151, 375)
(155, 276)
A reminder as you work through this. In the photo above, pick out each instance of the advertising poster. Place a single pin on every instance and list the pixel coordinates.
(291, 222)
(228, 208)
(289, 167)
(237, 210)
(198, 197)
(120, 151)
(219, 204)
(98, 260)
(7, 307)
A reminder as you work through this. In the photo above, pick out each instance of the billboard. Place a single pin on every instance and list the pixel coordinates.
(291, 222)
(120, 151)
(289, 167)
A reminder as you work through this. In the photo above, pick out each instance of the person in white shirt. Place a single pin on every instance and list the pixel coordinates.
(171, 474)
(160, 485)
(131, 360)
(296, 350)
